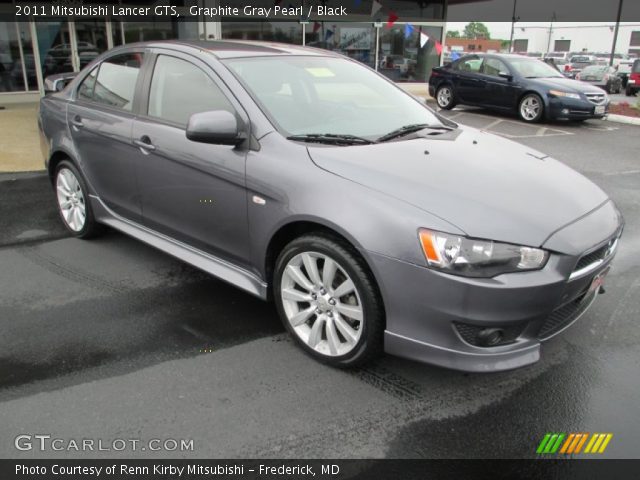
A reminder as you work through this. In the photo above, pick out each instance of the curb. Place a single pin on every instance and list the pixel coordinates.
(612, 117)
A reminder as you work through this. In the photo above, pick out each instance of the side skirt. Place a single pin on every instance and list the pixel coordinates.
(204, 261)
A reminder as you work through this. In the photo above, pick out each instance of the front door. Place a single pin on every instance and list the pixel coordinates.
(500, 90)
(193, 192)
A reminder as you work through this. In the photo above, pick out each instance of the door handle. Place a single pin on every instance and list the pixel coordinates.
(144, 143)
(77, 122)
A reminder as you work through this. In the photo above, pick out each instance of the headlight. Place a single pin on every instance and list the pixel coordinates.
(559, 93)
(471, 257)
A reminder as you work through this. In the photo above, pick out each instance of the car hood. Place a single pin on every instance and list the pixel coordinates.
(484, 185)
(565, 84)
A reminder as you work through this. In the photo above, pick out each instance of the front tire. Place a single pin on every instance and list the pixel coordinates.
(328, 300)
(74, 205)
(531, 108)
(445, 97)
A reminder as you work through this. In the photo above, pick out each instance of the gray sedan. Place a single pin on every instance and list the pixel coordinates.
(306, 178)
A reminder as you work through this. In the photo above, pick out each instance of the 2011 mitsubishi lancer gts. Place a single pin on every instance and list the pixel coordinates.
(303, 176)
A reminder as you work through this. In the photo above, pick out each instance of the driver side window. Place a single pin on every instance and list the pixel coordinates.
(494, 67)
(179, 89)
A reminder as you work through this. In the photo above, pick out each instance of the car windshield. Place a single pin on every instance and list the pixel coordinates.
(531, 68)
(325, 95)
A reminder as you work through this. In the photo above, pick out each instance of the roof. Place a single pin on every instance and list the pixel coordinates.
(241, 48)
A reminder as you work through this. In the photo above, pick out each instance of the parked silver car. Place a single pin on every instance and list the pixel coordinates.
(302, 176)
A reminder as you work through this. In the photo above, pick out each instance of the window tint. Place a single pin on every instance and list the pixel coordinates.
(117, 79)
(179, 89)
(494, 67)
(469, 64)
(85, 90)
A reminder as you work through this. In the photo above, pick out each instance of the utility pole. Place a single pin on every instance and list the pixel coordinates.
(513, 24)
(550, 32)
(615, 33)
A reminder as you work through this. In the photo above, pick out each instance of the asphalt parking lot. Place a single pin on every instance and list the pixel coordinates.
(111, 339)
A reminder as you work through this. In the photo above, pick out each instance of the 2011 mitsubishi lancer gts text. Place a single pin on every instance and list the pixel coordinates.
(302, 176)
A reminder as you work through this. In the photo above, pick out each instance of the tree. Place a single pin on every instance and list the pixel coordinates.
(476, 30)
(453, 34)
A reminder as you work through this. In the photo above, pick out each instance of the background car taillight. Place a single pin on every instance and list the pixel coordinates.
(567, 68)
(635, 76)
(606, 77)
(577, 76)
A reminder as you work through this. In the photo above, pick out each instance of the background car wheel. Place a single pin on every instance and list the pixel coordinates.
(531, 108)
(73, 201)
(328, 300)
(445, 98)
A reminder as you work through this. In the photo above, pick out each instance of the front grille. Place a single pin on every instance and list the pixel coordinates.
(596, 98)
(566, 314)
(594, 257)
(469, 333)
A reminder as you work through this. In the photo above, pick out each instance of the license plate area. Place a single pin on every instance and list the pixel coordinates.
(599, 110)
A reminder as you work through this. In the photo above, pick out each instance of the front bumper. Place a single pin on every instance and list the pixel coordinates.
(425, 309)
(575, 109)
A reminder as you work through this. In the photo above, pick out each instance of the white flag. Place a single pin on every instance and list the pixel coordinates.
(375, 8)
(424, 38)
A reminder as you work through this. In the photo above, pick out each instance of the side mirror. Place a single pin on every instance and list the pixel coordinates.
(218, 127)
(57, 83)
(508, 76)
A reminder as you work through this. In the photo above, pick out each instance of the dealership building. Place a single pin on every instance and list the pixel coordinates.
(30, 50)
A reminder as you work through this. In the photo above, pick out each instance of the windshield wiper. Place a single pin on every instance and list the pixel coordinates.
(331, 139)
(407, 129)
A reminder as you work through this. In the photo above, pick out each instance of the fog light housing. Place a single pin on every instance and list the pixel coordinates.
(488, 337)
(565, 111)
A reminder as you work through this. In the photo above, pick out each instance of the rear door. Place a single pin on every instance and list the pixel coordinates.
(193, 192)
(469, 84)
(100, 121)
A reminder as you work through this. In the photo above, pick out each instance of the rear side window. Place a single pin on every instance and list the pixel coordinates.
(179, 89)
(636, 66)
(469, 65)
(116, 82)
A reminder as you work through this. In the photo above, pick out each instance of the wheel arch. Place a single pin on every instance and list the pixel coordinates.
(298, 227)
(54, 160)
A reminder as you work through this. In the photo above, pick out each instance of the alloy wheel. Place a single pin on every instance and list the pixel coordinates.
(71, 200)
(530, 108)
(322, 304)
(445, 95)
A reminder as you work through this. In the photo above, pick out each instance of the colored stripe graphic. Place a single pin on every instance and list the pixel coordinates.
(572, 443)
(550, 443)
(598, 443)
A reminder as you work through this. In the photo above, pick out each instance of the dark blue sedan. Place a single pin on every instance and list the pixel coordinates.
(516, 83)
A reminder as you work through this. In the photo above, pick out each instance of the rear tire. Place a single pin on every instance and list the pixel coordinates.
(445, 97)
(531, 108)
(74, 205)
(329, 301)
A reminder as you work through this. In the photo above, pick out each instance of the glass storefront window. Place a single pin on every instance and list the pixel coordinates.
(355, 40)
(54, 47)
(285, 32)
(159, 30)
(91, 36)
(11, 71)
(402, 59)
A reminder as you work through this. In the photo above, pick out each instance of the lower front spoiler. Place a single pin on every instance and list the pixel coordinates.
(401, 346)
